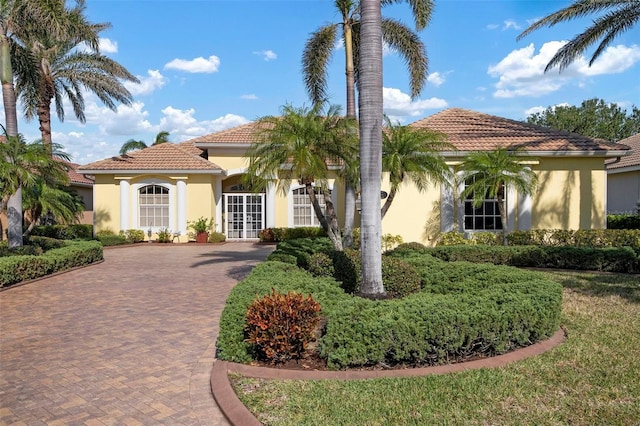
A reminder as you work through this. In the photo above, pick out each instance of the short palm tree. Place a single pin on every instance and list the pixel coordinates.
(59, 201)
(132, 144)
(300, 145)
(49, 70)
(488, 174)
(412, 155)
(322, 43)
(619, 16)
(28, 166)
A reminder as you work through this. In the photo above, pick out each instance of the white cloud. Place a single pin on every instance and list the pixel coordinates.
(510, 24)
(154, 80)
(107, 46)
(196, 65)
(398, 104)
(249, 96)
(436, 78)
(521, 72)
(268, 55)
(534, 110)
(493, 26)
(183, 125)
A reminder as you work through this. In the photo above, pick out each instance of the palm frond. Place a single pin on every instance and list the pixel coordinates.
(315, 60)
(409, 46)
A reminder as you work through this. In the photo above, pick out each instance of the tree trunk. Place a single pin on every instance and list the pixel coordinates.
(387, 202)
(370, 101)
(350, 190)
(503, 219)
(14, 205)
(330, 225)
(44, 117)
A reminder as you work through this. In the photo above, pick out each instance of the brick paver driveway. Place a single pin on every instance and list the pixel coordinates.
(127, 342)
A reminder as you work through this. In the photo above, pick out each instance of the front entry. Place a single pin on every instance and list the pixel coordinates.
(244, 215)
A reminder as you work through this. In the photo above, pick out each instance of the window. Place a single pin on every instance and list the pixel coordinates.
(303, 213)
(153, 202)
(483, 218)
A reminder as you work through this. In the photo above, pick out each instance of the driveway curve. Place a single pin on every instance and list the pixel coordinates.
(130, 341)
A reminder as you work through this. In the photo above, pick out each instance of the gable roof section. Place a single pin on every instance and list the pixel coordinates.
(77, 178)
(184, 156)
(474, 131)
(240, 135)
(632, 160)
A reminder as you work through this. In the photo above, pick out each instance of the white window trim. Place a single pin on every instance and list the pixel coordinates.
(290, 217)
(135, 188)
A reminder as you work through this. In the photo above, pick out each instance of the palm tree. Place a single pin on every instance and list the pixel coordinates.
(28, 166)
(61, 202)
(321, 45)
(413, 155)
(17, 19)
(370, 105)
(300, 145)
(132, 144)
(619, 16)
(49, 69)
(487, 175)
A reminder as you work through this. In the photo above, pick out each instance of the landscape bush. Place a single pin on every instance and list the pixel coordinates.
(275, 235)
(301, 249)
(64, 232)
(133, 235)
(216, 237)
(321, 265)
(469, 310)
(112, 240)
(15, 269)
(280, 326)
(623, 221)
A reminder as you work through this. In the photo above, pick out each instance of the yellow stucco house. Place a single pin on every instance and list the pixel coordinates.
(167, 185)
(623, 179)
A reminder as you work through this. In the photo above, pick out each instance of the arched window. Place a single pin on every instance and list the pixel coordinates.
(303, 213)
(153, 204)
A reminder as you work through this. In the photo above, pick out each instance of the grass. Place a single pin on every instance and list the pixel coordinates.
(593, 378)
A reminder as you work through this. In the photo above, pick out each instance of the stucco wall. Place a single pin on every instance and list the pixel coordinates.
(623, 191)
(106, 203)
(571, 194)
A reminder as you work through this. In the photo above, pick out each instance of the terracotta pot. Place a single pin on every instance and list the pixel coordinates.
(202, 237)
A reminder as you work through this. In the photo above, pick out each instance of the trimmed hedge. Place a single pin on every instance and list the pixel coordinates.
(276, 235)
(301, 249)
(623, 221)
(64, 232)
(623, 259)
(15, 269)
(579, 238)
(480, 310)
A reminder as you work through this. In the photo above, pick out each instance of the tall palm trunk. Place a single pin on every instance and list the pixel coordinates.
(350, 191)
(46, 94)
(370, 101)
(14, 205)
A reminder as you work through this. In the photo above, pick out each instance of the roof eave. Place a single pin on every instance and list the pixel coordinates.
(207, 145)
(559, 153)
(148, 171)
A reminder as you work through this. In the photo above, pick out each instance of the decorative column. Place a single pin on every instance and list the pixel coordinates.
(218, 197)
(181, 199)
(125, 207)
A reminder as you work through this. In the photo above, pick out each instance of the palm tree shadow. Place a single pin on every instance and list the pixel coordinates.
(626, 286)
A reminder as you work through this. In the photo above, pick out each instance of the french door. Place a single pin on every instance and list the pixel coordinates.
(244, 215)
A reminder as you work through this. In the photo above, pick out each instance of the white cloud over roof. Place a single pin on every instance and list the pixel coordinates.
(398, 104)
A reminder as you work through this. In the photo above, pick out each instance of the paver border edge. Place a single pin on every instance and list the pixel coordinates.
(238, 414)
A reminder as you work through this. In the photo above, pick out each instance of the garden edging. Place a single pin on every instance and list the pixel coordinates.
(237, 414)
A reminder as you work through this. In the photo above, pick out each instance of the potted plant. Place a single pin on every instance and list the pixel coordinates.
(201, 227)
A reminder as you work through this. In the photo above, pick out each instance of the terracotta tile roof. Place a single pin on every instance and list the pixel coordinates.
(78, 178)
(242, 134)
(164, 156)
(474, 131)
(633, 159)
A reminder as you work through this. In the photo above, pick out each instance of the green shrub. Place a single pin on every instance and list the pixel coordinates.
(282, 257)
(580, 238)
(487, 238)
(64, 232)
(321, 265)
(284, 234)
(400, 279)
(165, 236)
(469, 310)
(389, 241)
(302, 249)
(279, 326)
(15, 269)
(104, 233)
(112, 240)
(347, 267)
(452, 238)
(217, 237)
(133, 235)
(623, 221)
(412, 246)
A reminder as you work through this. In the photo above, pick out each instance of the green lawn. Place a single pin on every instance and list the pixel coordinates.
(592, 378)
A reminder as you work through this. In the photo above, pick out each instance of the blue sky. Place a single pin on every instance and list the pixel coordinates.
(211, 64)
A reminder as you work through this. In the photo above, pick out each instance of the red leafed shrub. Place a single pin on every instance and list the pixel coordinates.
(280, 325)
